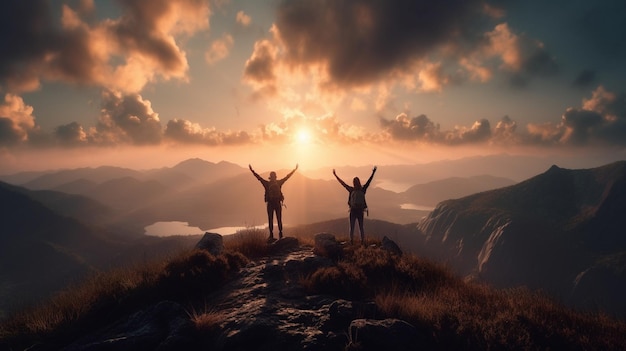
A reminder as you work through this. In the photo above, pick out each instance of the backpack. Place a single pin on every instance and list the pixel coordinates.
(357, 200)
(274, 193)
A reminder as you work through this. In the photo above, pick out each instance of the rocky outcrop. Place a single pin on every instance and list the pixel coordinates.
(211, 242)
(386, 334)
(264, 308)
(164, 326)
(326, 245)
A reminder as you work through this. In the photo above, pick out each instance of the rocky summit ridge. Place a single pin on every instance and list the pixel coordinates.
(263, 307)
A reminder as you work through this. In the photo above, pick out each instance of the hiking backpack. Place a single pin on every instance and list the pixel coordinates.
(357, 200)
(274, 193)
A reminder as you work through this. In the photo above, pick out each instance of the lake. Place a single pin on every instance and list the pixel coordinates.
(182, 228)
(416, 207)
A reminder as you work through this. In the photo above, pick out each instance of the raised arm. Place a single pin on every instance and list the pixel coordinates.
(256, 174)
(341, 181)
(289, 175)
(367, 184)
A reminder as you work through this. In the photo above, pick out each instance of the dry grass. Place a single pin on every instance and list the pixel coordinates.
(452, 313)
(106, 296)
(460, 315)
(252, 243)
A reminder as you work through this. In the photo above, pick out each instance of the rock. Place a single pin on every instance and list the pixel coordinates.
(326, 245)
(283, 245)
(342, 312)
(386, 334)
(211, 242)
(164, 326)
(391, 246)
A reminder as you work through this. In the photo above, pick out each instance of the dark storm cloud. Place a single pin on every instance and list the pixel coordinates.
(26, 36)
(580, 125)
(121, 54)
(585, 78)
(361, 41)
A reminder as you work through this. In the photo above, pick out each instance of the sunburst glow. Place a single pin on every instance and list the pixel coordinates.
(303, 136)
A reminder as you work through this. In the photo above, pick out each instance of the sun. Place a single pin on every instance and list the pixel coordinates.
(303, 137)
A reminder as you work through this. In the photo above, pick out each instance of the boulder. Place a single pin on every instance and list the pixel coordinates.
(391, 246)
(326, 245)
(283, 245)
(211, 242)
(386, 334)
(342, 312)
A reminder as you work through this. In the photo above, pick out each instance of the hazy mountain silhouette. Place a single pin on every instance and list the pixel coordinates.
(554, 231)
(41, 250)
(78, 186)
(51, 180)
(432, 193)
(46, 243)
(211, 195)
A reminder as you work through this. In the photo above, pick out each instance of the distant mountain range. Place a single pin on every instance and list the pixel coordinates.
(562, 231)
(211, 195)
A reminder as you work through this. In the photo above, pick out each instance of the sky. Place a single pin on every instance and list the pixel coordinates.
(150, 83)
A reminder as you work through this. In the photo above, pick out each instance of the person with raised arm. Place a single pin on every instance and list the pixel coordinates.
(274, 199)
(356, 202)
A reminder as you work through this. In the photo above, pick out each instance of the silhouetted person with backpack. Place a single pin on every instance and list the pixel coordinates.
(356, 202)
(274, 199)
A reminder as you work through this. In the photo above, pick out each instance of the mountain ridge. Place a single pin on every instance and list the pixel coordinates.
(541, 233)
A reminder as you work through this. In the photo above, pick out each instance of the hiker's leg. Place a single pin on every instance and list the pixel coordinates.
(352, 220)
(270, 219)
(279, 219)
(361, 230)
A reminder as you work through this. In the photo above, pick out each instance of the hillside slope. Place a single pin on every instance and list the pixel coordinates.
(544, 233)
(293, 297)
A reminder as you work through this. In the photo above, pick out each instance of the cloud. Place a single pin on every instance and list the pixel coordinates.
(127, 119)
(520, 56)
(243, 19)
(415, 128)
(220, 49)
(504, 131)
(185, 132)
(361, 41)
(600, 121)
(122, 54)
(423, 129)
(16, 121)
(71, 134)
(585, 78)
(479, 132)
(26, 38)
(323, 129)
(259, 70)
(420, 45)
